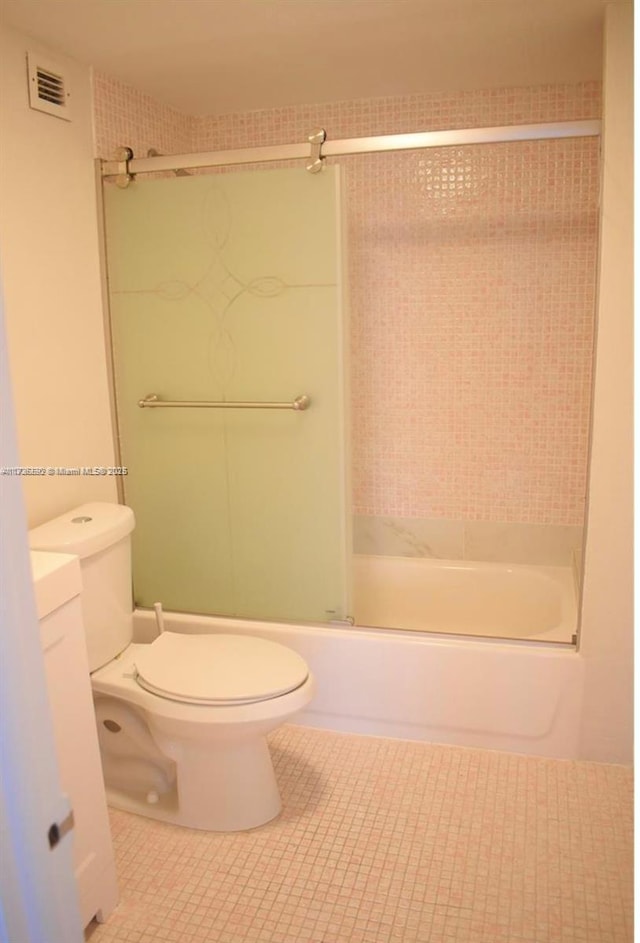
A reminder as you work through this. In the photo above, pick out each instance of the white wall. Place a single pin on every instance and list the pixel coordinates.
(49, 258)
(607, 612)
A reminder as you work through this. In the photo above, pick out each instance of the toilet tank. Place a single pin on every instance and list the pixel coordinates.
(100, 535)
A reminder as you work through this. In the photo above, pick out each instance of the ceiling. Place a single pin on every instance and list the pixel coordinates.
(220, 56)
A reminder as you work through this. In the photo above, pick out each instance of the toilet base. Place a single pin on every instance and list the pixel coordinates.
(225, 787)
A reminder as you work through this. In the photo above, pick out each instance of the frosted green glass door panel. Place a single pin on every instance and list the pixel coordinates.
(228, 288)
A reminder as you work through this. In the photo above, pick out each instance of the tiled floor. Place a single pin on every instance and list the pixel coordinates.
(389, 841)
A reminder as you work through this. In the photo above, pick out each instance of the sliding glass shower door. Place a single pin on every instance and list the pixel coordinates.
(228, 288)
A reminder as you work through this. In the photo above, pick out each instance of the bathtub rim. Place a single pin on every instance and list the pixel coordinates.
(345, 629)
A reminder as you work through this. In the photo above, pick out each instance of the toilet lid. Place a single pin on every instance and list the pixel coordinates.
(218, 669)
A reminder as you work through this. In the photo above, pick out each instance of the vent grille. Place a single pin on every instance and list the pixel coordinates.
(48, 88)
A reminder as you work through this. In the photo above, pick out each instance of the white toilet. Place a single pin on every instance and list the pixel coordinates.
(182, 721)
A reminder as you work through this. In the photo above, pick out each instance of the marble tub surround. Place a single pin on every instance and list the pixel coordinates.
(577, 562)
(543, 544)
(486, 541)
(408, 537)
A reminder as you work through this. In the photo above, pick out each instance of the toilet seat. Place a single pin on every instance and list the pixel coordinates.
(218, 669)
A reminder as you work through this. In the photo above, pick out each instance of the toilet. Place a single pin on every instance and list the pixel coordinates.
(182, 721)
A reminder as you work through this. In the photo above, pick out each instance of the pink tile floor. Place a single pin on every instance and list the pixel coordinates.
(390, 841)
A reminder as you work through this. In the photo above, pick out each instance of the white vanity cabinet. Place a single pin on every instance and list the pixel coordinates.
(57, 586)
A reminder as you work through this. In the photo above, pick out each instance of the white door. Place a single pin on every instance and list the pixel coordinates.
(38, 900)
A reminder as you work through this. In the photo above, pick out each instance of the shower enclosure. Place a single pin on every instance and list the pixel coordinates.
(228, 333)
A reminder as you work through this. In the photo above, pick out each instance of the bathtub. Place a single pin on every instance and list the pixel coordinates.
(465, 598)
(521, 696)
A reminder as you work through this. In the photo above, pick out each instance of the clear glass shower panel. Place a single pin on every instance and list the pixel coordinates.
(228, 288)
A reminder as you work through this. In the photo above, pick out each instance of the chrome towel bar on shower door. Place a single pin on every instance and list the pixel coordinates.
(153, 401)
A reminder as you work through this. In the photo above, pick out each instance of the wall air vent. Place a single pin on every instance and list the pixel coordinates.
(48, 87)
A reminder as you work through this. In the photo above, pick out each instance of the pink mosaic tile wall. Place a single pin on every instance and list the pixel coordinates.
(472, 284)
(124, 116)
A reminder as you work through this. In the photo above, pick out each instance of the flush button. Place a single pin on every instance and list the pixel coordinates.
(81, 520)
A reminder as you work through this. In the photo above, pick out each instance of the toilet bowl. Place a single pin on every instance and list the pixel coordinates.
(182, 721)
(221, 776)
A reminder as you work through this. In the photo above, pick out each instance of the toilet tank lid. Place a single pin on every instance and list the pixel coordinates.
(84, 530)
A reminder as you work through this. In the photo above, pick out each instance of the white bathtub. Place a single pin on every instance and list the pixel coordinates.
(517, 696)
(465, 598)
